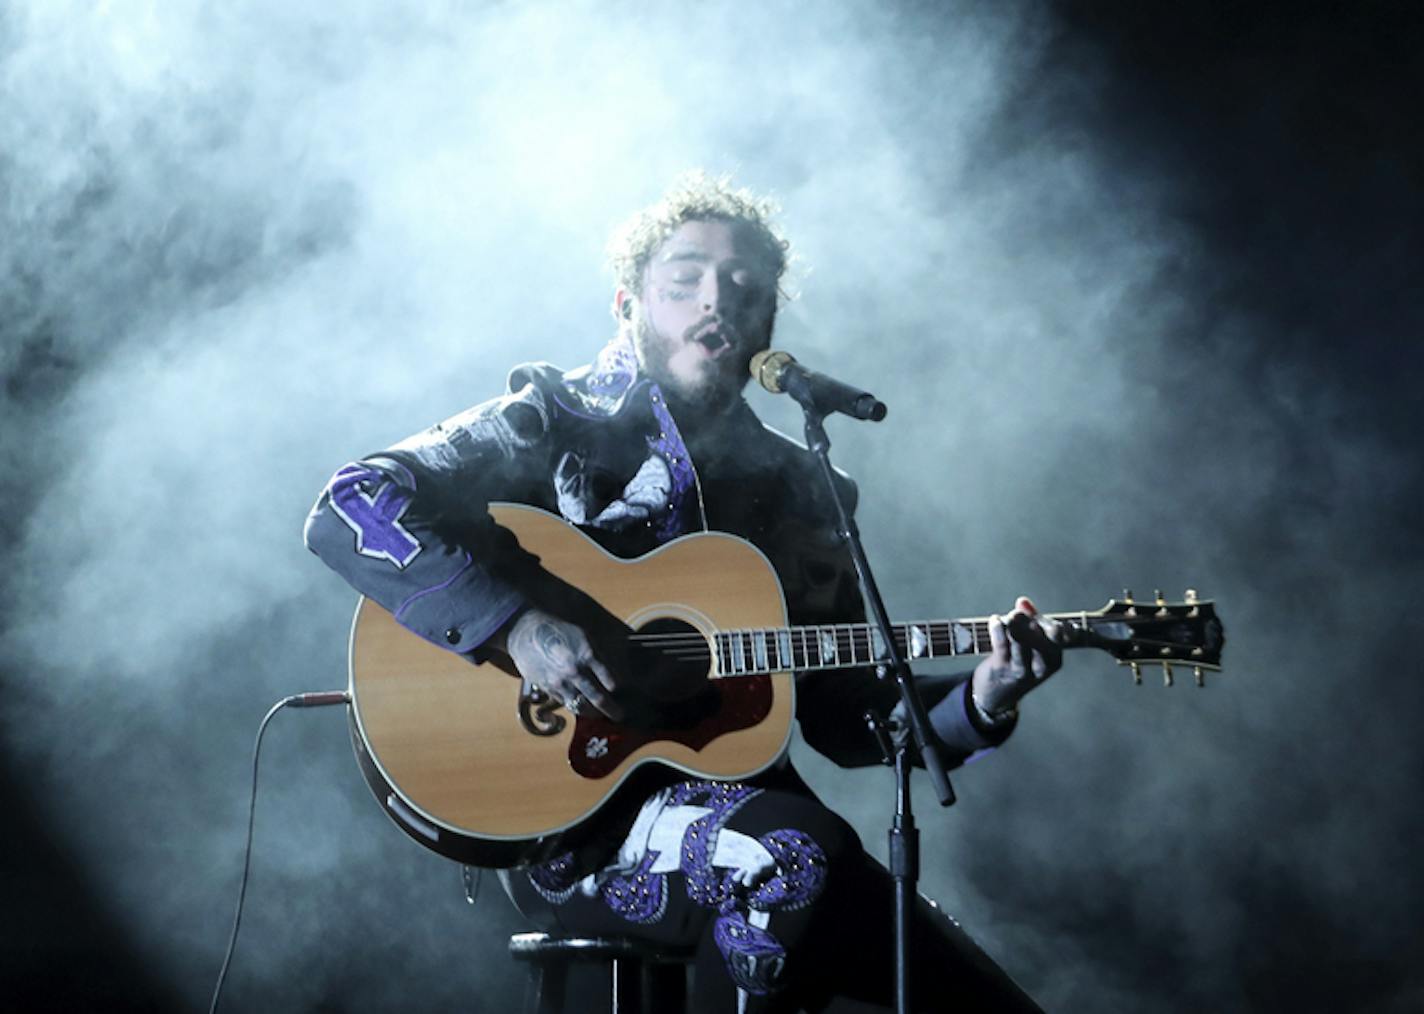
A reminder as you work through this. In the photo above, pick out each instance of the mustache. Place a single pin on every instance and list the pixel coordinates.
(709, 326)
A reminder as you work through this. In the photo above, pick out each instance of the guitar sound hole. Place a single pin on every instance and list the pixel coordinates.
(676, 659)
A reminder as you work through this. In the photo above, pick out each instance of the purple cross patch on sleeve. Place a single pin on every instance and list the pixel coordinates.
(372, 506)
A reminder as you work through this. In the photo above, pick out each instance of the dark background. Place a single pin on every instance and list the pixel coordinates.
(1139, 282)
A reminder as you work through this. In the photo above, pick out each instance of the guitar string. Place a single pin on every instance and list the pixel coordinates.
(696, 648)
(856, 635)
(775, 638)
(773, 635)
(977, 625)
(702, 648)
(808, 662)
(688, 647)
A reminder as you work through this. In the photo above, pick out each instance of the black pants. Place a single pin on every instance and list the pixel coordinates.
(793, 935)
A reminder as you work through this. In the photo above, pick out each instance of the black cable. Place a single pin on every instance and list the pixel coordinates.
(311, 700)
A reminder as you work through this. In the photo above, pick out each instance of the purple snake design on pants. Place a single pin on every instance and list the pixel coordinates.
(754, 957)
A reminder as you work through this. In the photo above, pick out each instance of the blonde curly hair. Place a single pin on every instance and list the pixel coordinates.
(695, 197)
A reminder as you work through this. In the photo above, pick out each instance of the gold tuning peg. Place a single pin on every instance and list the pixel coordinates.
(1127, 595)
(1191, 595)
(1136, 672)
(1166, 674)
(1200, 675)
(1158, 595)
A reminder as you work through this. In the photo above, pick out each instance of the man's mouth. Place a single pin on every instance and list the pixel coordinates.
(715, 342)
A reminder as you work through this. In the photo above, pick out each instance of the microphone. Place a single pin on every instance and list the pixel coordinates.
(779, 372)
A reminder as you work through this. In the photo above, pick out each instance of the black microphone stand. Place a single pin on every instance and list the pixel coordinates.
(904, 835)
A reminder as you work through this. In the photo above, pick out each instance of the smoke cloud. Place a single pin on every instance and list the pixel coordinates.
(243, 244)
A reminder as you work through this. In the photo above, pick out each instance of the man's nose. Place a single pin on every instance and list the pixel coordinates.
(721, 295)
(712, 289)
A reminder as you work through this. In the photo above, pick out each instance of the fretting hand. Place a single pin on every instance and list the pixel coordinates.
(1027, 649)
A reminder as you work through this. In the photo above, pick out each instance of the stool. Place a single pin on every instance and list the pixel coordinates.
(648, 978)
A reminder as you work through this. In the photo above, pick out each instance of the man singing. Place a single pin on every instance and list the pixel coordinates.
(650, 441)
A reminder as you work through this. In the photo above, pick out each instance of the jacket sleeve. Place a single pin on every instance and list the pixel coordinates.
(409, 526)
(831, 704)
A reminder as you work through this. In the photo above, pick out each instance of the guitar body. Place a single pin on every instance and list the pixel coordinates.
(442, 743)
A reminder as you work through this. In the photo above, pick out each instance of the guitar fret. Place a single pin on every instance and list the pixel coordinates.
(942, 637)
(844, 645)
(759, 650)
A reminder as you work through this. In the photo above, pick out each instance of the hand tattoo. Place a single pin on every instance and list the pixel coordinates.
(551, 641)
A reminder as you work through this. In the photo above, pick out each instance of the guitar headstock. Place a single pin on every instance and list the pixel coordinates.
(1185, 633)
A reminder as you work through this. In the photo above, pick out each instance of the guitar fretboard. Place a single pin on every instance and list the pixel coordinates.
(844, 645)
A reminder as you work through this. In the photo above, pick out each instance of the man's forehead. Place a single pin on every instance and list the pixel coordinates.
(707, 241)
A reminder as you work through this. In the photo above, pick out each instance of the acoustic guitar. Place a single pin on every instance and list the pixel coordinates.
(472, 765)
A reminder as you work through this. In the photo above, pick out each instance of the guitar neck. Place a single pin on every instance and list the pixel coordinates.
(846, 645)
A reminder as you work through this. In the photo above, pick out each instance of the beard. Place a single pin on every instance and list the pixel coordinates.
(717, 385)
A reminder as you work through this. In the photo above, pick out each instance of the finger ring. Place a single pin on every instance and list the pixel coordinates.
(573, 704)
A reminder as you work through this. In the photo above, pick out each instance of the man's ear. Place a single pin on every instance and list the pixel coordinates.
(623, 302)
